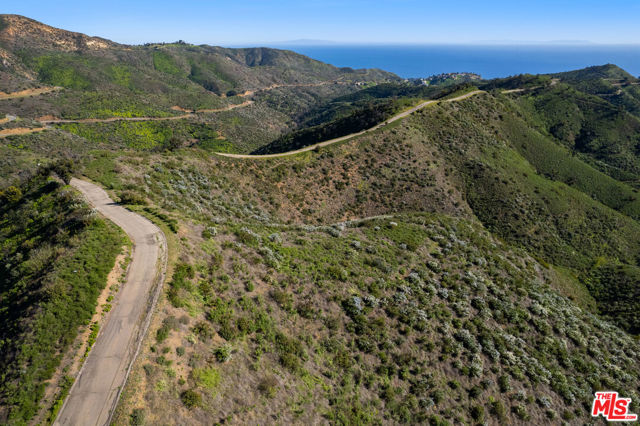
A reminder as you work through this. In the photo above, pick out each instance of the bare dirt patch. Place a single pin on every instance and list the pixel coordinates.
(227, 108)
(28, 92)
(179, 108)
(20, 131)
(46, 118)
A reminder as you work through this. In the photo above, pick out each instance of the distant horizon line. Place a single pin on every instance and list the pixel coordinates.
(304, 41)
(329, 43)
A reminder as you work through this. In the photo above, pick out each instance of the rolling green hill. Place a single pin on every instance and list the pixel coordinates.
(102, 79)
(608, 82)
(603, 134)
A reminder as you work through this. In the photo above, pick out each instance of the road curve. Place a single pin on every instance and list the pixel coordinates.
(352, 135)
(7, 119)
(95, 393)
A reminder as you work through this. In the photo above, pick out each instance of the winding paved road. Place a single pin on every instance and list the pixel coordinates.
(95, 392)
(352, 135)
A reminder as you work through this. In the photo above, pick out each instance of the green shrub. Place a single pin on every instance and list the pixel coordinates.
(223, 353)
(132, 198)
(203, 330)
(208, 378)
(168, 324)
(191, 399)
(164, 62)
(162, 334)
(504, 383)
(171, 223)
(477, 413)
(54, 262)
(521, 412)
(11, 195)
(290, 361)
(283, 299)
(181, 280)
(227, 330)
(65, 387)
(136, 418)
(148, 369)
(61, 69)
(209, 232)
(498, 409)
(268, 386)
(359, 119)
(65, 169)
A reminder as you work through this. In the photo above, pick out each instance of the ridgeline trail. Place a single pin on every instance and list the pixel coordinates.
(188, 113)
(352, 135)
(291, 85)
(168, 118)
(96, 390)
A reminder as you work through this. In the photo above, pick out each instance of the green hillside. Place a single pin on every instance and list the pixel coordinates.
(608, 82)
(101, 79)
(603, 134)
(56, 254)
(359, 111)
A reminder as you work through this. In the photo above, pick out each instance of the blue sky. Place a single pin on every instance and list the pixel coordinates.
(255, 22)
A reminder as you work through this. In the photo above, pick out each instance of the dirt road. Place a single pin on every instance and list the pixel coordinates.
(169, 118)
(287, 85)
(20, 131)
(352, 135)
(28, 92)
(95, 392)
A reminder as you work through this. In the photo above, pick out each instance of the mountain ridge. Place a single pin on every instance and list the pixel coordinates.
(17, 31)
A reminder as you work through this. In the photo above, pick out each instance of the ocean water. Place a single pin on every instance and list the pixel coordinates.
(488, 61)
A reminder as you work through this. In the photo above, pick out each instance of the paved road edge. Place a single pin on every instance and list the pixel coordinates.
(151, 304)
(145, 317)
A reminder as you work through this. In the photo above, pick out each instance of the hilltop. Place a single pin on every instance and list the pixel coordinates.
(18, 32)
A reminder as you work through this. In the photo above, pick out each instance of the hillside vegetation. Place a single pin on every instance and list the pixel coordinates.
(55, 257)
(359, 119)
(102, 79)
(418, 318)
(608, 82)
(251, 283)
